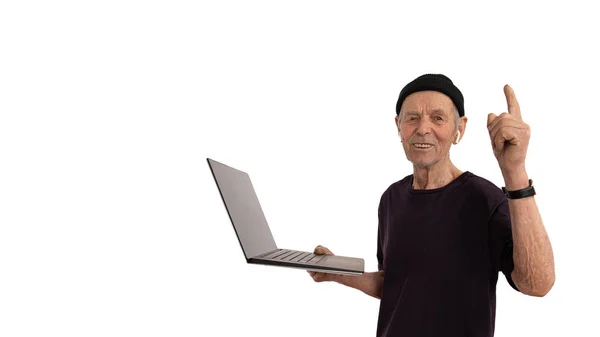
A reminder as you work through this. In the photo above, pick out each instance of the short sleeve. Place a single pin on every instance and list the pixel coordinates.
(380, 239)
(379, 252)
(501, 242)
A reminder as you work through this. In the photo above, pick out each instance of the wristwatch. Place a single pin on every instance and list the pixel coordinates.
(522, 193)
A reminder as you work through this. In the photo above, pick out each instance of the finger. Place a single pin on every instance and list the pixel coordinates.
(321, 277)
(498, 139)
(320, 250)
(505, 136)
(491, 118)
(496, 119)
(511, 100)
(498, 144)
(506, 123)
(505, 119)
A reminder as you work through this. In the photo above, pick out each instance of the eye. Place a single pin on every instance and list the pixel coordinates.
(439, 118)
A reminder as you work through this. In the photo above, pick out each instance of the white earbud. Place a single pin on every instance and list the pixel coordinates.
(457, 138)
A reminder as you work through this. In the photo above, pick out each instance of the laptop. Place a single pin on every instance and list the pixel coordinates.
(254, 234)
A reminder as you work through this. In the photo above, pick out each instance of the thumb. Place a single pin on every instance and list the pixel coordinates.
(491, 118)
(320, 250)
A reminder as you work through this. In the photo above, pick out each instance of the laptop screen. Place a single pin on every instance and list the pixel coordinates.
(244, 210)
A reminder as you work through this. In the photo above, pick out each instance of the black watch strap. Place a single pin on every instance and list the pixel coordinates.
(522, 193)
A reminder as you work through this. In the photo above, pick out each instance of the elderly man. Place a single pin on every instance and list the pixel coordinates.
(445, 234)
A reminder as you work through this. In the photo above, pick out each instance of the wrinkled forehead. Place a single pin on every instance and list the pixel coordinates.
(427, 102)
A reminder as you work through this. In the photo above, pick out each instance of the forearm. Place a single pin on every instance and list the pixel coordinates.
(532, 252)
(369, 283)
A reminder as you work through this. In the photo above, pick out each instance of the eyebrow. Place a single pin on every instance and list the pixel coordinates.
(439, 111)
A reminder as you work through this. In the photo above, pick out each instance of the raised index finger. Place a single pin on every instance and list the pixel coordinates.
(511, 101)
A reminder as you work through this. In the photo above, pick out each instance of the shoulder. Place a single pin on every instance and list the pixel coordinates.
(482, 183)
(483, 189)
(393, 191)
(397, 187)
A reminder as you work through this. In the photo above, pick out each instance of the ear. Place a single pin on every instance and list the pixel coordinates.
(397, 123)
(462, 126)
(457, 139)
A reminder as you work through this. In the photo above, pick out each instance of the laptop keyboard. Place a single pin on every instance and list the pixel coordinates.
(294, 256)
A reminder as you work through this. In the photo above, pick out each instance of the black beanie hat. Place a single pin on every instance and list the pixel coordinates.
(436, 82)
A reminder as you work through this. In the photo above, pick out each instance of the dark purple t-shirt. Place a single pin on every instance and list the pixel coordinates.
(442, 251)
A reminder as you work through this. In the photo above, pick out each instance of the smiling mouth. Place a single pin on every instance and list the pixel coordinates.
(422, 145)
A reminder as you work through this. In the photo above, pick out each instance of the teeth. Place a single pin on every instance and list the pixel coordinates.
(422, 145)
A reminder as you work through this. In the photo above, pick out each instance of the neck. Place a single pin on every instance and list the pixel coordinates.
(435, 176)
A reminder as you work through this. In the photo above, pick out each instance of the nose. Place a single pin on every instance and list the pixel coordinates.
(424, 127)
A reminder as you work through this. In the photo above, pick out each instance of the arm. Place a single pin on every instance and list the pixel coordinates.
(369, 283)
(533, 258)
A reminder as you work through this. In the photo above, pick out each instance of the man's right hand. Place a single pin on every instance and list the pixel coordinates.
(318, 276)
(369, 283)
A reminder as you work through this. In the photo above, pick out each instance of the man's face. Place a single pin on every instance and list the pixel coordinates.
(427, 127)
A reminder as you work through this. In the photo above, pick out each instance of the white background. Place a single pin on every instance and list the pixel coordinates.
(110, 221)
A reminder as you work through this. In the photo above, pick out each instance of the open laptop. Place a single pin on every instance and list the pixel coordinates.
(254, 233)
